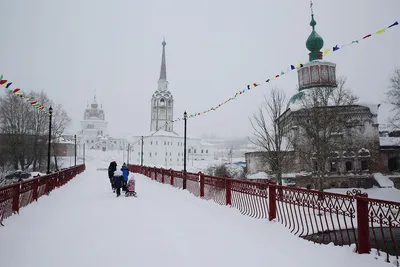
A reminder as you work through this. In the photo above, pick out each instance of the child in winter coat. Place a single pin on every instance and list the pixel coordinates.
(125, 172)
(118, 181)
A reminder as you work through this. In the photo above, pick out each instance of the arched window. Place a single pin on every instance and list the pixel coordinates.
(363, 153)
(162, 102)
(349, 166)
(349, 154)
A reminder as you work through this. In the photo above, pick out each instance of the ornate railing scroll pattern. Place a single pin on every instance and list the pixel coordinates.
(20, 194)
(320, 217)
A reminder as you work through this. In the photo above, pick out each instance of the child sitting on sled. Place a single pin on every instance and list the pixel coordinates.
(130, 187)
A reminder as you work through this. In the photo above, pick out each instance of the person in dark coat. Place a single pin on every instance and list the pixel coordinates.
(118, 181)
(125, 172)
(111, 169)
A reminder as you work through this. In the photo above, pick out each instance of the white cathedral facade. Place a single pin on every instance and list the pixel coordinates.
(93, 131)
(162, 147)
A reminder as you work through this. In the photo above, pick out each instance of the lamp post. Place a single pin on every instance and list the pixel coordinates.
(75, 149)
(184, 151)
(127, 157)
(49, 144)
(141, 156)
(84, 153)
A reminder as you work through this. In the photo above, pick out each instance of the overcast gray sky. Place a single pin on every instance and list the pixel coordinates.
(214, 48)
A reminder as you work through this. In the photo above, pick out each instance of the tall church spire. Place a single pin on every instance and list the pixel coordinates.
(163, 72)
(162, 82)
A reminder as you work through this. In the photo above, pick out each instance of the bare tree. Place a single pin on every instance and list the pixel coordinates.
(60, 122)
(324, 127)
(25, 129)
(393, 96)
(39, 131)
(268, 135)
(341, 95)
(16, 124)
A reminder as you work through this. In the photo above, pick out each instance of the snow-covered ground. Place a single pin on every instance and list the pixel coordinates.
(84, 224)
(390, 194)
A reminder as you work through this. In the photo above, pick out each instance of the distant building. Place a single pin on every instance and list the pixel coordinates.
(349, 167)
(93, 131)
(162, 146)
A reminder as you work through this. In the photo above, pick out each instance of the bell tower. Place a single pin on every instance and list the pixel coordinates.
(162, 102)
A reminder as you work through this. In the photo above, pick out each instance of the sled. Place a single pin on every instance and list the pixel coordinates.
(130, 194)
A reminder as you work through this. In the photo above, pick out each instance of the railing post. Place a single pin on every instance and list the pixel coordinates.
(184, 182)
(228, 191)
(362, 225)
(201, 184)
(272, 201)
(16, 193)
(162, 176)
(172, 177)
(35, 193)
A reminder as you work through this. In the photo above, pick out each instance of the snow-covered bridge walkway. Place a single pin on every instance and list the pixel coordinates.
(84, 224)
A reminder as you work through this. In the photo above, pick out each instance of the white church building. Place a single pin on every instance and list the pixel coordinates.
(93, 131)
(162, 147)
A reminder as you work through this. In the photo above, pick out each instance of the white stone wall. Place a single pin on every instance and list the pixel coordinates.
(167, 151)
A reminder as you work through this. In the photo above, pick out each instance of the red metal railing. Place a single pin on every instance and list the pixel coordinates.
(320, 217)
(18, 195)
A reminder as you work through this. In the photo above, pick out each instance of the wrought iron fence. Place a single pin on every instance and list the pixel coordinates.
(18, 195)
(320, 217)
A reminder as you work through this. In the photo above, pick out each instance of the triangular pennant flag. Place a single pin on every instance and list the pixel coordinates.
(3, 82)
(366, 36)
(300, 65)
(335, 48)
(8, 84)
(356, 41)
(381, 31)
(326, 51)
(248, 87)
(255, 85)
(292, 67)
(282, 73)
(277, 76)
(394, 24)
(267, 81)
(16, 90)
(1, 77)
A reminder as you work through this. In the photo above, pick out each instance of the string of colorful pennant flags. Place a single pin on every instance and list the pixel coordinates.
(291, 68)
(17, 91)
